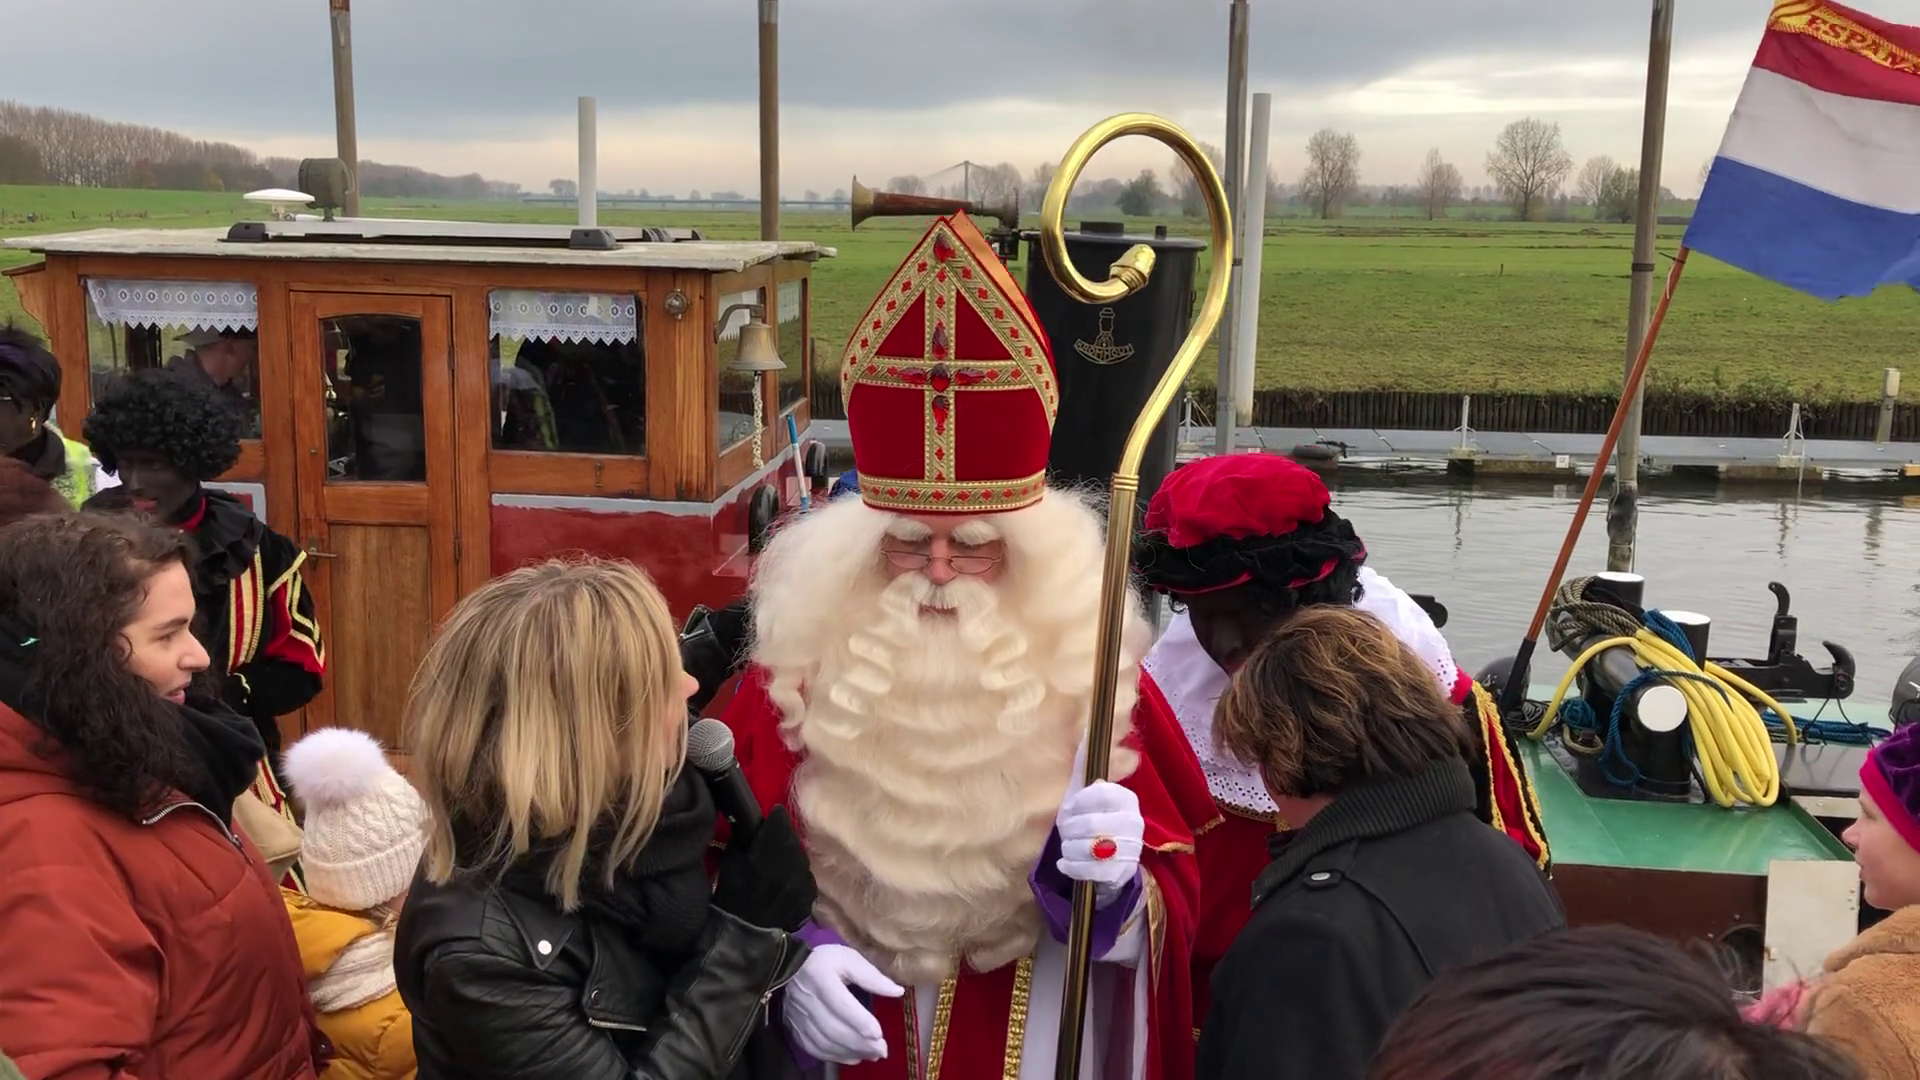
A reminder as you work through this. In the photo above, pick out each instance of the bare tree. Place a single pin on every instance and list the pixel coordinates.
(1186, 186)
(1439, 185)
(1592, 182)
(1333, 171)
(1037, 183)
(997, 185)
(566, 189)
(1528, 164)
(1276, 193)
(907, 185)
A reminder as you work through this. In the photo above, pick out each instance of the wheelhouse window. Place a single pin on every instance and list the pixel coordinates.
(795, 347)
(208, 328)
(569, 372)
(736, 387)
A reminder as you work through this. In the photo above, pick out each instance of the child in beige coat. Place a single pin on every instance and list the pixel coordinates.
(1867, 1001)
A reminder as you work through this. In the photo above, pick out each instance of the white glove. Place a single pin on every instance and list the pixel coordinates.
(1101, 812)
(825, 1019)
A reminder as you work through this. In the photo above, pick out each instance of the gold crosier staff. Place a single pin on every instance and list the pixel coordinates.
(1126, 276)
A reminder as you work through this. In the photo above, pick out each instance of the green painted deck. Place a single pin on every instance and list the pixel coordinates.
(1706, 838)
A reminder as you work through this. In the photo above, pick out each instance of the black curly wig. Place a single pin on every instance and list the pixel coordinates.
(1281, 572)
(175, 415)
(28, 371)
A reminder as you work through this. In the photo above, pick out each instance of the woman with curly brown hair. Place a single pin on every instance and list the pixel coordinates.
(142, 934)
(167, 434)
(1381, 875)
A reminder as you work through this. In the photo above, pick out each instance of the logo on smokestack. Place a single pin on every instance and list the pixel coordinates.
(1103, 349)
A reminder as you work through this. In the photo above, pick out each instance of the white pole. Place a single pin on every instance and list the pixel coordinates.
(1234, 181)
(1253, 229)
(589, 194)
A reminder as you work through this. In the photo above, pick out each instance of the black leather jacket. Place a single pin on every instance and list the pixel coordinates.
(504, 987)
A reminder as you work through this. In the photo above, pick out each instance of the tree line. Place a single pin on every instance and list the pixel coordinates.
(41, 145)
(1528, 164)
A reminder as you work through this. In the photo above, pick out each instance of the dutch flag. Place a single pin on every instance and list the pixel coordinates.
(1817, 183)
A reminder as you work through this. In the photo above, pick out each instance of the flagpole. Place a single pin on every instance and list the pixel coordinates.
(1514, 690)
(1623, 507)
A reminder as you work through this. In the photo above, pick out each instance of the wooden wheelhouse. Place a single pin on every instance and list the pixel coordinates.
(434, 403)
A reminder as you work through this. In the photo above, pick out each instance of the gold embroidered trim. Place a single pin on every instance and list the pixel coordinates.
(942, 1016)
(952, 496)
(1218, 820)
(910, 1012)
(1022, 340)
(1172, 849)
(1156, 926)
(1819, 21)
(1529, 799)
(1017, 1020)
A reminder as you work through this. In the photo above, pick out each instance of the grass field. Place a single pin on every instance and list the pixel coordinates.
(1369, 303)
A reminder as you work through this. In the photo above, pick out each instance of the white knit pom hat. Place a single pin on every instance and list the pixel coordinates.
(365, 825)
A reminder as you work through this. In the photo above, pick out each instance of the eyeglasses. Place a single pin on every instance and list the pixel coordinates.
(969, 565)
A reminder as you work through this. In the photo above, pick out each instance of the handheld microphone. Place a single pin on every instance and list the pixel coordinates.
(710, 750)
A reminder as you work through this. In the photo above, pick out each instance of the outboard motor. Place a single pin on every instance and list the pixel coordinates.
(1904, 707)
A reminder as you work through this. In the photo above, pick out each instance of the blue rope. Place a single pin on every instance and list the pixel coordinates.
(1839, 732)
(1669, 631)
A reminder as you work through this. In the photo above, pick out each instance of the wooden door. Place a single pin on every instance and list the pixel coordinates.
(374, 481)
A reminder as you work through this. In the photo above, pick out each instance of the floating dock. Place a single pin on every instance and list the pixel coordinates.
(1516, 453)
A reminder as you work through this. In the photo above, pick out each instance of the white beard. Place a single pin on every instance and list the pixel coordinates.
(936, 748)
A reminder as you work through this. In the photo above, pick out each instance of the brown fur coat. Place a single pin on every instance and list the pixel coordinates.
(1869, 1003)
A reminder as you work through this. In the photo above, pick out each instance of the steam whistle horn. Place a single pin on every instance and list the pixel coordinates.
(868, 203)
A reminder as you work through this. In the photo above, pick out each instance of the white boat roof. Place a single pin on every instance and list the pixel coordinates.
(398, 240)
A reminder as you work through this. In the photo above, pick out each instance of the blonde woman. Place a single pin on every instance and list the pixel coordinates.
(562, 926)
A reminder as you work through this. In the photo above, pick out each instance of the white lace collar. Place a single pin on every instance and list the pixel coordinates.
(1193, 683)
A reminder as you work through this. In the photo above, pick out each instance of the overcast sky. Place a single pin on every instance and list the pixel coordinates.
(880, 87)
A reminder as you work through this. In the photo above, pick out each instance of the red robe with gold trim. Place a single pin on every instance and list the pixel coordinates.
(986, 1024)
(1231, 848)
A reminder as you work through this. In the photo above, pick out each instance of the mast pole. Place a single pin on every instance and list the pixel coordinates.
(1235, 183)
(769, 119)
(346, 138)
(1623, 507)
(587, 185)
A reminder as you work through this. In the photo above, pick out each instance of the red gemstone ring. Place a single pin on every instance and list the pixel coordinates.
(1105, 848)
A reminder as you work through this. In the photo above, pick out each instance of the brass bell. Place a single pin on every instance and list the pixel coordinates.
(758, 349)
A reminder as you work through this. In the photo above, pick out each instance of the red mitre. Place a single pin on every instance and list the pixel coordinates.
(1234, 496)
(949, 384)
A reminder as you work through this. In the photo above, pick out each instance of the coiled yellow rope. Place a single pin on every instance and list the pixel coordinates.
(1730, 740)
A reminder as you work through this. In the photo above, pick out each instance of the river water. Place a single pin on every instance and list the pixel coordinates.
(1849, 554)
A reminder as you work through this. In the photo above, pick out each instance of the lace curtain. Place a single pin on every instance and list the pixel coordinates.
(529, 314)
(182, 305)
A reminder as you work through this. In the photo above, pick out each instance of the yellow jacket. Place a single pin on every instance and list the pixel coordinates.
(1869, 1002)
(373, 1041)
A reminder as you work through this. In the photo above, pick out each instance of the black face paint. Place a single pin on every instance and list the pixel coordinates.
(1231, 623)
(157, 487)
(20, 424)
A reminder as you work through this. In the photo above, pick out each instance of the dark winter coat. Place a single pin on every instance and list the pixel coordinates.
(1390, 884)
(647, 981)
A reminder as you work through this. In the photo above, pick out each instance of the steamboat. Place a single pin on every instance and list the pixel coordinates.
(439, 402)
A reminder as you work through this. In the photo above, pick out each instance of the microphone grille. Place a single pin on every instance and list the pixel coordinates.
(709, 745)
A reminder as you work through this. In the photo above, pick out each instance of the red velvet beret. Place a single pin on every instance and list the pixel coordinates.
(1234, 496)
(1892, 776)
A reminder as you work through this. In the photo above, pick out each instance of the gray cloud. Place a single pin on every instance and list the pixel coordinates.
(467, 68)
